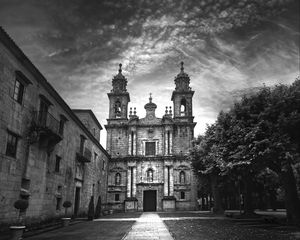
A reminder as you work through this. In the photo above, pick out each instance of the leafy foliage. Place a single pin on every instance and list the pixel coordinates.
(21, 204)
(67, 204)
(259, 138)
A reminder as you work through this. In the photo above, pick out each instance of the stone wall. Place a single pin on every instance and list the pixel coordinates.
(86, 118)
(33, 169)
(117, 141)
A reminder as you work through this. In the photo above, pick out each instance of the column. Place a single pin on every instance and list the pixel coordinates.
(134, 143)
(168, 168)
(171, 142)
(166, 142)
(171, 181)
(129, 143)
(134, 182)
(128, 182)
(165, 181)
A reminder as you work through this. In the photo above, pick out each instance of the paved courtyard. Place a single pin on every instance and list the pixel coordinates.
(169, 226)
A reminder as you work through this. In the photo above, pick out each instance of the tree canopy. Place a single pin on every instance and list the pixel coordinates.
(259, 134)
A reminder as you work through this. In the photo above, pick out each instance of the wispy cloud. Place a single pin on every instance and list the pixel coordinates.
(229, 48)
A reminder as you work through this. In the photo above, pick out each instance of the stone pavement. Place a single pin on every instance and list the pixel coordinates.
(149, 227)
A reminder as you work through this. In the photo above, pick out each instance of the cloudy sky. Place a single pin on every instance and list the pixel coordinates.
(229, 48)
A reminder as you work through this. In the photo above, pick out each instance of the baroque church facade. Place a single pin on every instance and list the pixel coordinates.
(149, 169)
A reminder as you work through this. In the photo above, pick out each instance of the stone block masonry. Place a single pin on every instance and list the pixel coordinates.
(149, 154)
(47, 154)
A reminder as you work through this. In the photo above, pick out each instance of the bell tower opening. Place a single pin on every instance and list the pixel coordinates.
(183, 107)
(118, 109)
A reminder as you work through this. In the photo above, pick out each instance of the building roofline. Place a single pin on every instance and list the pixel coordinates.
(24, 60)
(92, 115)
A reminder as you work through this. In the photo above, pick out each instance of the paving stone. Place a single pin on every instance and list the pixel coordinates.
(149, 226)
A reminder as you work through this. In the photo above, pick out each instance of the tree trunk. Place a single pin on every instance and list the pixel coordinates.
(218, 208)
(292, 201)
(248, 200)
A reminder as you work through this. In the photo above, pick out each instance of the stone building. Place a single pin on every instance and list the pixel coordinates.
(48, 153)
(149, 169)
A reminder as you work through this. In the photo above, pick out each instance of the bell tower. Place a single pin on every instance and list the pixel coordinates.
(118, 98)
(182, 97)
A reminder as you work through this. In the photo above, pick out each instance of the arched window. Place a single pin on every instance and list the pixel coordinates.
(169, 142)
(182, 177)
(150, 175)
(183, 107)
(132, 142)
(118, 179)
(118, 108)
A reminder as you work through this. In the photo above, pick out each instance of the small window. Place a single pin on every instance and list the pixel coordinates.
(182, 195)
(169, 142)
(182, 177)
(95, 157)
(150, 148)
(12, 142)
(150, 175)
(57, 163)
(132, 142)
(19, 91)
(117, 197)
(62, 122)
(118, 179)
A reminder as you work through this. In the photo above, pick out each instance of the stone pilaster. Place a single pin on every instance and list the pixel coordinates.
(134, 183)
(165, 181)
(128, 182)
(171, 141)
(171, 182)
(134, 143)
(129, 143)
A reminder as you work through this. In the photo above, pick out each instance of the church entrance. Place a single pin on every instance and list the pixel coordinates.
(149, 201)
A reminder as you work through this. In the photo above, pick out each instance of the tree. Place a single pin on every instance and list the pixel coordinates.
(66, 205)
(21, 205)
(260, 132)
(206, 161)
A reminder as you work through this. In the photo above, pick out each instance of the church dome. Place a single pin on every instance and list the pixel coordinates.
(150, 105)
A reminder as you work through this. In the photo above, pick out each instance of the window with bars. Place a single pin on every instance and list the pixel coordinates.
(150, 148)
(182, 195)
(62, 122)
(117, 197)
(21, 82)
(12, 143)
(57, 163)
(19, 91)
